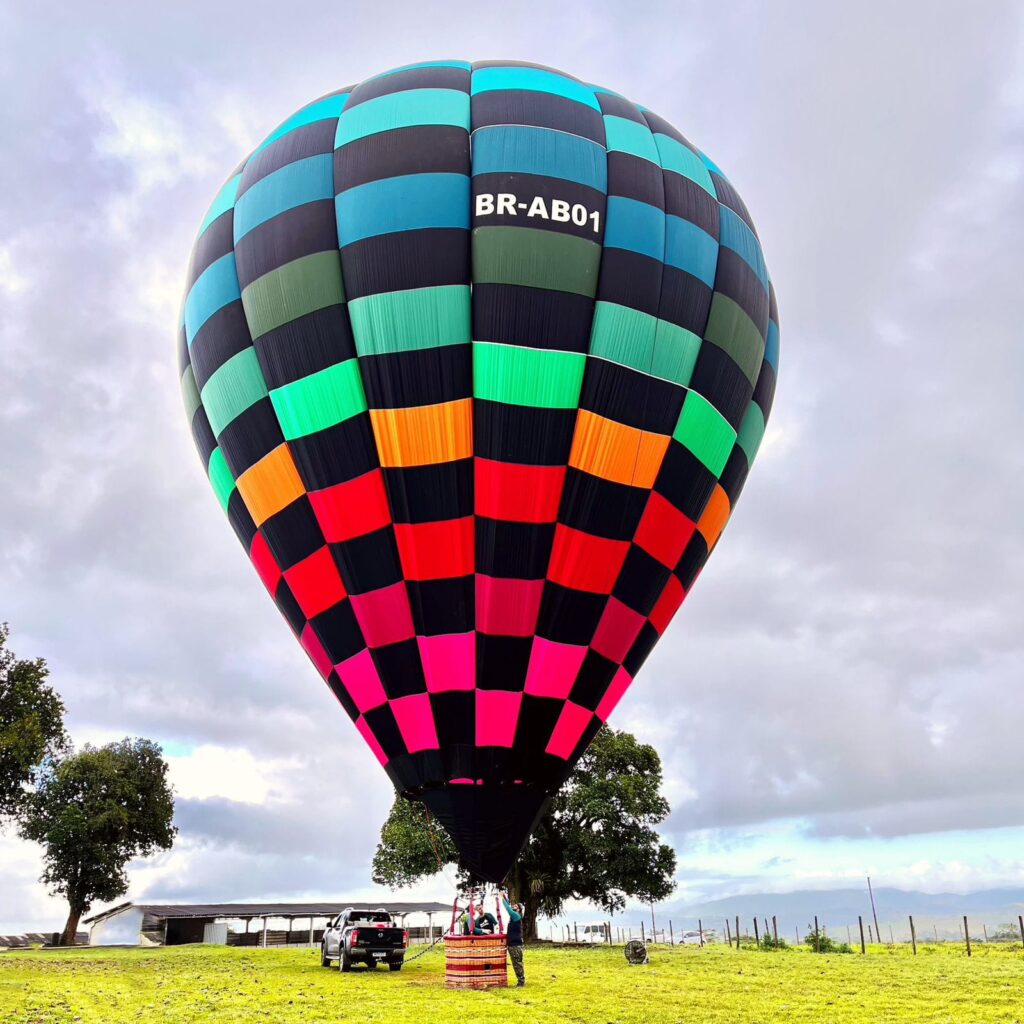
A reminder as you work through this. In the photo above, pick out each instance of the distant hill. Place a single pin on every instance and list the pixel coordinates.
(837, 908)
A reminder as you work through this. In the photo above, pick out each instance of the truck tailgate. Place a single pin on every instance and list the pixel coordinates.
(372, 937)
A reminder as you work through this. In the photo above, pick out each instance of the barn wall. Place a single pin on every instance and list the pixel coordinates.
(119, 930)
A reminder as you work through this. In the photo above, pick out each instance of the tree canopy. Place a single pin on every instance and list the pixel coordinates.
(31, 725)
(596, 842)
(95, 811)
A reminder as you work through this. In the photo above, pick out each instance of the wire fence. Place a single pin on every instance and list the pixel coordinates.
(762, 933)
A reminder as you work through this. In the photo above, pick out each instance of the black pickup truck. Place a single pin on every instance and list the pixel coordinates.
(364, 936)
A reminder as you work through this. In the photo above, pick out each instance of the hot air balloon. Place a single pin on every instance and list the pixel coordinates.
(477, 358)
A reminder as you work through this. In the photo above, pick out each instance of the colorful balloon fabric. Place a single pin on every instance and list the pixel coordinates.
(477, 358)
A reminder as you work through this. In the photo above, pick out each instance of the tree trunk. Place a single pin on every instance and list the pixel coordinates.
(520, 891)
(71, 927)
(530, 909)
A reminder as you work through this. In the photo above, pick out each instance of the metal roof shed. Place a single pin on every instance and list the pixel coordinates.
(177, 923)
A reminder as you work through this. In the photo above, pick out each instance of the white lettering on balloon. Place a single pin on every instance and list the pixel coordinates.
(507, 204)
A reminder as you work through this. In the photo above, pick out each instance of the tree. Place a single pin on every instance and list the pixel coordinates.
(31, 725)
(817, 941)
(596, 842)
(95, 811)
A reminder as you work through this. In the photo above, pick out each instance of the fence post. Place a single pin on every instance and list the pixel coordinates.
(757, 937)
(984, 929)
(870, 937)
(1020, 921)
(728, 933)
(849, 941)
(874, 912)
(766, 927)
(775, 931)
(817, 936)
(700, 931)
(967, 935)
(737, 931)
(609, 932)
(860, 924)
(643, 937)
(892, 941)
(671, 934)
(913, 934)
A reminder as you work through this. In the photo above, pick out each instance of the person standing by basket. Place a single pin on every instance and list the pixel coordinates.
(515, 938)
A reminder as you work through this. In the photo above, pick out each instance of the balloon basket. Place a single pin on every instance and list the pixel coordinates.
(475, 961)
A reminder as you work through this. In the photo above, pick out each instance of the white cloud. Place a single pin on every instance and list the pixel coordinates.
(12, 281)
(233, 773)
(24, 903)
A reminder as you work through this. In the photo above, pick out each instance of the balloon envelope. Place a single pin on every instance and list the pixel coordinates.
(477, 358)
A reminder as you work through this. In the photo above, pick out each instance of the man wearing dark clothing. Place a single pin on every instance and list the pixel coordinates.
(485, 924)
(515, 938)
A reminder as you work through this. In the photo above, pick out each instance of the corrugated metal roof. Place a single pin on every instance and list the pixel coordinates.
(320, 909)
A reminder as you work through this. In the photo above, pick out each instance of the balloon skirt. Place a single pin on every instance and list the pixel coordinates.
(475, 961)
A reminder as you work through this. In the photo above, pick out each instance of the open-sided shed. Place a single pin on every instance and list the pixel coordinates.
(173, 924)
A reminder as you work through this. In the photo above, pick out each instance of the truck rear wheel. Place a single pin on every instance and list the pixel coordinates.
(325, 960)
(344, 963)
(395, 967)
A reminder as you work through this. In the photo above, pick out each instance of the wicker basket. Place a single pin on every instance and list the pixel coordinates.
(475, 961)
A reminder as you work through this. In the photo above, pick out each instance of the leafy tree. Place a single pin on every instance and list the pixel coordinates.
(596, 842)
(817, 941)
(95, 811)
(411, 846)
(31, 725)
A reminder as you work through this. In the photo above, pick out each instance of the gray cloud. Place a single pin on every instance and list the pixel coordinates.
(977, 810)
(855, 637)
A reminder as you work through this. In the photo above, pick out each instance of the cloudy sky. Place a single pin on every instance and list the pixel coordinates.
(843, 691)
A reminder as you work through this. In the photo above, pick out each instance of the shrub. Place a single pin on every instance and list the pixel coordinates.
(820, 942)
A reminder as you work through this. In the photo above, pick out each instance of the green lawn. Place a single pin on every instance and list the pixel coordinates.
(595, 985)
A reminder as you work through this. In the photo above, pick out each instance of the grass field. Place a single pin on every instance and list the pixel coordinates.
(592, 985)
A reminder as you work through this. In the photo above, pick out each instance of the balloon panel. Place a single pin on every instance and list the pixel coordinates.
(477, 358)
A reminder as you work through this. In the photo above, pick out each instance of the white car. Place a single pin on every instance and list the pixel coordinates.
(593, 934)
